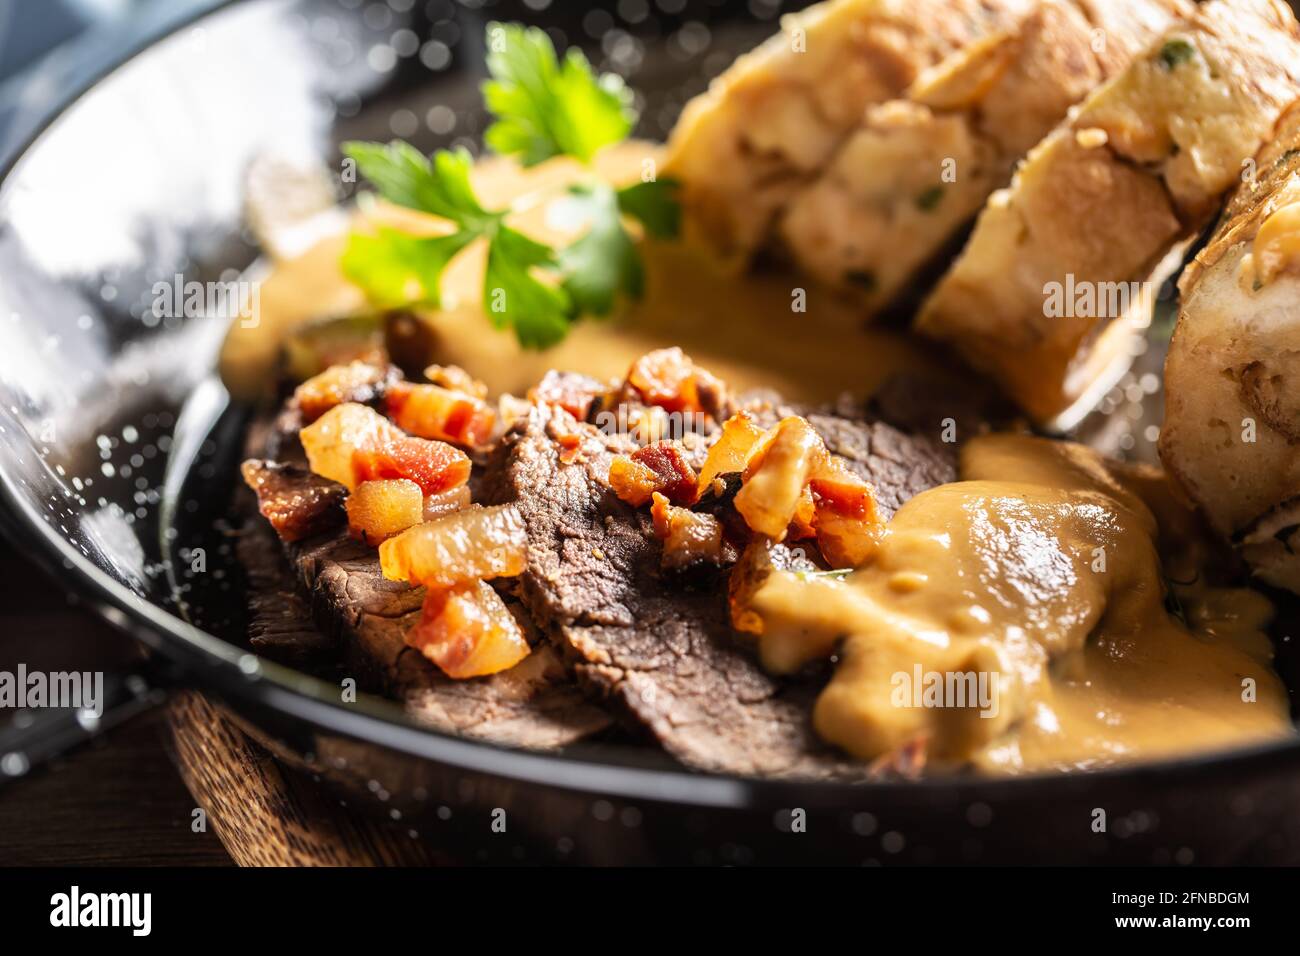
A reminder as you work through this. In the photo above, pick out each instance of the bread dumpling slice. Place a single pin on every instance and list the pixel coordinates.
(774, 118)
(917, 170)
(1065, 255)
(1232, 378)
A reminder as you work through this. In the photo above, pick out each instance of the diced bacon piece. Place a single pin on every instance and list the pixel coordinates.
(775, 477)
(848, 522)
(463, 546)
(357, 381)
(669, 379)
(431, 411)
(353, 443)
(664, 377)
(433, 465)
(661, 467)
(377, 510)
(468, 631)
(571, 391)
(297, 503)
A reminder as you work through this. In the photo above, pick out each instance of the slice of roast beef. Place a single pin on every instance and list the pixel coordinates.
(534, 704)
(334, 583)
(664, 654)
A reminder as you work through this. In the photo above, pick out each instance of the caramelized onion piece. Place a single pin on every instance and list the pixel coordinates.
(632, 481)
(468, 631)
(456, 379)
(377, 510)
(740, 434)
(463, 546)
(431, 411)
(802, 525)
(355, 382)
(445, 502)
(775, 477)
(661, 467)
(353, 443)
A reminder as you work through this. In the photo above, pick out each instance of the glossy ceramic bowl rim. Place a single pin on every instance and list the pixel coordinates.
(240, 675)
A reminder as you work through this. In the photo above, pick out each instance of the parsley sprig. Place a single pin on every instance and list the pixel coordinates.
(543, 107)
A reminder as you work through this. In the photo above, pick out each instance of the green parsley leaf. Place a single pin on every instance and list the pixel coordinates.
(513, 296)
(544, 106)
(395, 269)
(604, 262)
(439, 186)
(548, 107)
(654, 204)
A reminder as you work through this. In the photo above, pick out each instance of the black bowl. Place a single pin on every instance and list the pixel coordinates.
(117, 446)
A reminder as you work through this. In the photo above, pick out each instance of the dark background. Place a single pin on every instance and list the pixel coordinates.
(120, 801)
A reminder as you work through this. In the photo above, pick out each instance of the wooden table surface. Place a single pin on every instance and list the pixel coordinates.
(121, 800)
(129, 799)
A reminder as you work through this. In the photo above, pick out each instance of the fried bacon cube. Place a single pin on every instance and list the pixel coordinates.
(660, 467)
(847, 520)
(379, 509)
(573, 392)
(457, 548)
(431, 411)
(467, 631)
(297, 503)
(353, 443)
(357, 381)
(669, 379)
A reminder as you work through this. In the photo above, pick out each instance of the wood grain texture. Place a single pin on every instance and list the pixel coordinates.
(267, 814)
(119, 802)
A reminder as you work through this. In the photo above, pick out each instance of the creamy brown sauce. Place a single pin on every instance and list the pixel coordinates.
(1034, 588)
(993, 574)
(740, 327)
